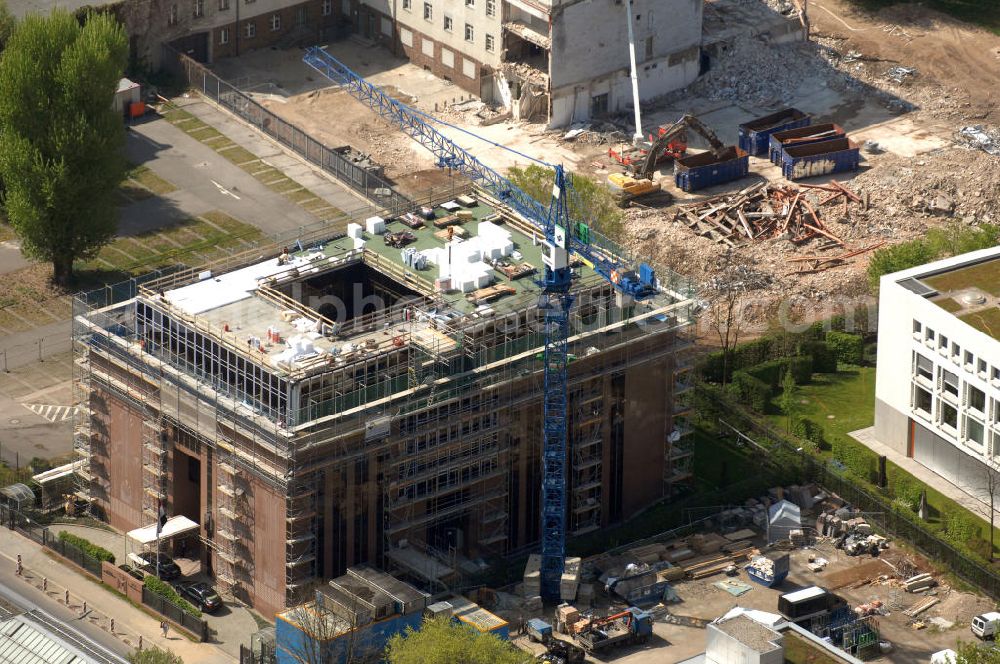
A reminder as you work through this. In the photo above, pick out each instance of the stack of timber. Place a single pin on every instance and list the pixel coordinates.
(921, 606)
(765, 211)
(918, 583)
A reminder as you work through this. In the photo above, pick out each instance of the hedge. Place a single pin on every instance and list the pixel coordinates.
(751, 390)
(807, 429)
(87, 547)
(824, 361)
(167, 592)
(848, 348)
(773, 372)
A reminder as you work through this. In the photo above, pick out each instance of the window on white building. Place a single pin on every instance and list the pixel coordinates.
(974, 430)
(448, 24)
(428, 12)
(490, 43)
(917, 327)
(929, 334)
(943, 342)
(327, 7)
(198, 8)
(223, 5)
(223, 35)
(491, 7)
(407, 4)
(949, 382)
(981, 368)
(922, 400)
(976, 398)
(923, 367)
(968, 360)
(470, 33)
(470, 3)
(949, 415)
(250, 29)
(406, 36)
(172, 15)
(956, 352)
(275, 22)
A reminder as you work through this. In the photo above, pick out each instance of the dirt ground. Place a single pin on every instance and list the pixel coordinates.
(848, 576)
(842, 75)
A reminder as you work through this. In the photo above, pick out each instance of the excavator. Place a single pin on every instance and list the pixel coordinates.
(641, 164)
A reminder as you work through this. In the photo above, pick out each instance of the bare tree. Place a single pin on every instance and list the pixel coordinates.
(332, 636)
(987, 494)
(725, 292)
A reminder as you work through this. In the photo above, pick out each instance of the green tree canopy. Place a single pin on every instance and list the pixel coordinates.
(974, 653)
(60, 141)
(593, 203)
(441, 641)
(154, 655)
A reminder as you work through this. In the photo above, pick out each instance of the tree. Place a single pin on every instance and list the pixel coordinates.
(154, 655)
(441, 641)
(789, 400)
(988, 493)
(328, 636)
(592, 202)
(974, 653)
(60, 141)
(724, 293)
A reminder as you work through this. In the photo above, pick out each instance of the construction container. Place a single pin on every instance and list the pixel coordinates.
(705, 169)
(814, 159)
(754, 135)
(802, 136)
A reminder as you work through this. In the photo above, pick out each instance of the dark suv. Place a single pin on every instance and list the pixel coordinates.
(201, 595)
(168, 568)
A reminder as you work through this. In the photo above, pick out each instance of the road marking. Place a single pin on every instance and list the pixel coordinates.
(225, 191)
(51, 412)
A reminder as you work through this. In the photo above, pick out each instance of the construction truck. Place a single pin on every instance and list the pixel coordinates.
(632, 625)
(672, 142)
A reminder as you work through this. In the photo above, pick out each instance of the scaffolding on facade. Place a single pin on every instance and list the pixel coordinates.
(432, 403)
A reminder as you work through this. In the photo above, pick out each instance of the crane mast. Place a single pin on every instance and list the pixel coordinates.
(561, 237)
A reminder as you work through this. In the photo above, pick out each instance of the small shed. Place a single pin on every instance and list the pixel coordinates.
(128, 93)
(782, 518)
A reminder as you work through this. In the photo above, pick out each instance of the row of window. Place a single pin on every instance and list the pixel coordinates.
(491, 8)
(198, 11)
(966, 359)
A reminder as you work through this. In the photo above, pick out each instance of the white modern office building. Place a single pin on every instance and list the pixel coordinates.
(937, 394)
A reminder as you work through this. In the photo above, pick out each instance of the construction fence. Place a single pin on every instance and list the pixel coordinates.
(370, 185)
(779, 451)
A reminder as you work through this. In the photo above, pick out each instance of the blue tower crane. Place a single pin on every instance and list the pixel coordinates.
(561, 237)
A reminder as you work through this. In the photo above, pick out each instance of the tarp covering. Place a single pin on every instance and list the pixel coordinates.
(175, 525)
(782, 518)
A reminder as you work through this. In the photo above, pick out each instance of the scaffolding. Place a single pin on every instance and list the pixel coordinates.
(432, 411)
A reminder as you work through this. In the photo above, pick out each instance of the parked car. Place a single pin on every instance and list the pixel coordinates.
(146, 561)
(201, 595)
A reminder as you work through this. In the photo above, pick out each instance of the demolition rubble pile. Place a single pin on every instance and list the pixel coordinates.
(765, 211)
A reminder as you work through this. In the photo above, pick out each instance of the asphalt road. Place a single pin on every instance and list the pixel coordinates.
(91, 640)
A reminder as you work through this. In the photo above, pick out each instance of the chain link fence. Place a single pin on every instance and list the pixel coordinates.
(370, 185)
(780, 451)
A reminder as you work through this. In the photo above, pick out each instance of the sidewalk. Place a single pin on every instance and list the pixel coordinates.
(44, 571)
(978, 507)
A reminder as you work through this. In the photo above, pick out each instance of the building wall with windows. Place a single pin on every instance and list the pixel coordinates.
(938, 377)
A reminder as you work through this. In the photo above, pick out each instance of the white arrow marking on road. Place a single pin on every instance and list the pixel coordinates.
(225, 191)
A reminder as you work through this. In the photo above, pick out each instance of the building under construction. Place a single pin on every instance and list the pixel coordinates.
(374, 397)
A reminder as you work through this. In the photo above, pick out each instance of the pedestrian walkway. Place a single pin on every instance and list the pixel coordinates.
(98, 605)
(927, 476)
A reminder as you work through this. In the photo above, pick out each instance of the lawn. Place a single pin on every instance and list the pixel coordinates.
(193, 241)
(845, 402)
(150, 180)
(800, 651)
(840, 402)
